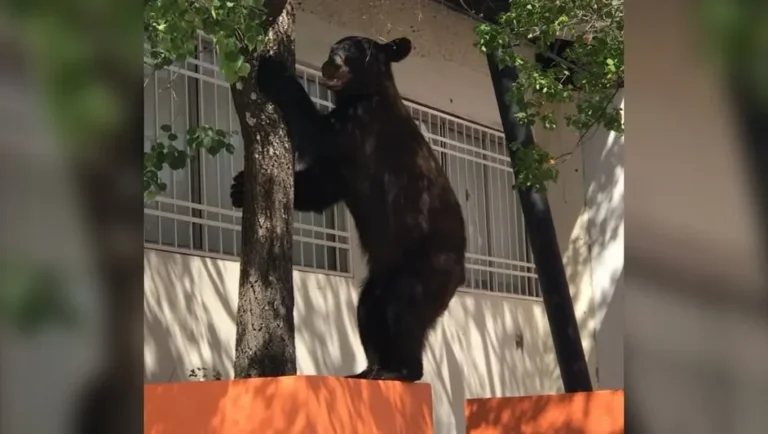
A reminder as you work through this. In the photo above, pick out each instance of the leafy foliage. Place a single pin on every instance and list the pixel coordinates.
(205, 374)
(165, 152)
(171, 27)
(587, 75)
(70, 56)
(235, 26)
(33, 297)
(534, 166)
(735, 34)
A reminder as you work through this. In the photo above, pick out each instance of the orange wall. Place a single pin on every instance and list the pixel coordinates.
(288, 405)
(599, 412)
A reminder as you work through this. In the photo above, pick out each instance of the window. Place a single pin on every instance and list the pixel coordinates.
(477, 163)
(195, 215)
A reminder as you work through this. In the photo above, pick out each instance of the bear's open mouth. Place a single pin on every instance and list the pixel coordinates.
(336, 82)
(331, 83)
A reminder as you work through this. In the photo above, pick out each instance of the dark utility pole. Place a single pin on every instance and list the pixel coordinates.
(544, 246)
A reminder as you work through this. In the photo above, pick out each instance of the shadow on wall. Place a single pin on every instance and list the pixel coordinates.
(188, 315)
(189, 311)
(588, 208)
(603, 157)
(610, 336)
(487, 345)
(473, 351)
(189, 318)
(288, 404)
(327, 342)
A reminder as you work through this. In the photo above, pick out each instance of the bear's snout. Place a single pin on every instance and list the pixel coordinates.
(334, 72)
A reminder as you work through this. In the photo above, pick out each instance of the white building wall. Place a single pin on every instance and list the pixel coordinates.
(603, 157)
(190, 305)
(474, 352)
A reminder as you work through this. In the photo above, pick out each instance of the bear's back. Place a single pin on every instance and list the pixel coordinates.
(400, 196)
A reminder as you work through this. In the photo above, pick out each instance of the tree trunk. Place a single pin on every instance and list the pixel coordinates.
(265, 343)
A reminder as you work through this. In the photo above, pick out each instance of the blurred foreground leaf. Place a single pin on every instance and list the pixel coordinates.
(33, 298)
(76, 48)
(737, 37)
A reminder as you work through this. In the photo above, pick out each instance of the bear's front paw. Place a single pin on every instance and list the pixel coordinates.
(301, 162)
(270, 71)
(236, 191)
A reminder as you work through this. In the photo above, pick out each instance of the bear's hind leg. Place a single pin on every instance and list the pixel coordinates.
(370, 320)
(407, 319)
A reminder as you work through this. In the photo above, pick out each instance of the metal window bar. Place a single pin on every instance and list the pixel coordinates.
(474, 157)
(197, 197)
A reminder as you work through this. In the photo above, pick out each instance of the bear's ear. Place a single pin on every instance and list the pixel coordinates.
(397, 49)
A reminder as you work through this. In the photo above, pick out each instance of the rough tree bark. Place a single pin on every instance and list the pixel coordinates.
(265, 343)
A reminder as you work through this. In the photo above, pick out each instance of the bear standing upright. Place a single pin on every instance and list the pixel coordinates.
(369, 153)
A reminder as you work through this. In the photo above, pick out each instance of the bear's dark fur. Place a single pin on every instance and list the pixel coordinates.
(369, 153)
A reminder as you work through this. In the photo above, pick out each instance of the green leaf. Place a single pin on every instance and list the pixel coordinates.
(206, 141)
(231, 76)
(172, 137)
(232, 57)
(244, 69)
(166, 128)
(193, 142)
(179, 160)
(230, 148)
(254, 37)
(32, 297)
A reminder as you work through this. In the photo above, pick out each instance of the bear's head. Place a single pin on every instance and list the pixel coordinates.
(359, 65)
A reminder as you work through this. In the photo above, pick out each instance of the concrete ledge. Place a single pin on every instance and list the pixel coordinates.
(600, 412)
(288, 405)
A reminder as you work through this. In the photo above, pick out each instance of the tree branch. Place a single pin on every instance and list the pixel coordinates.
(469, 12)
(274, 10)
(562, 158)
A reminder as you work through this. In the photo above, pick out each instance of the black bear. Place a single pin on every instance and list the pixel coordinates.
(369, 153)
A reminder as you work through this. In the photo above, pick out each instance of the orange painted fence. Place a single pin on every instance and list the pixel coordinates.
(288, 405)
(600, 412)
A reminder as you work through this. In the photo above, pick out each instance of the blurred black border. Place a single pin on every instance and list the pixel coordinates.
(657, 274)
(753, 113)
(110, 181)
